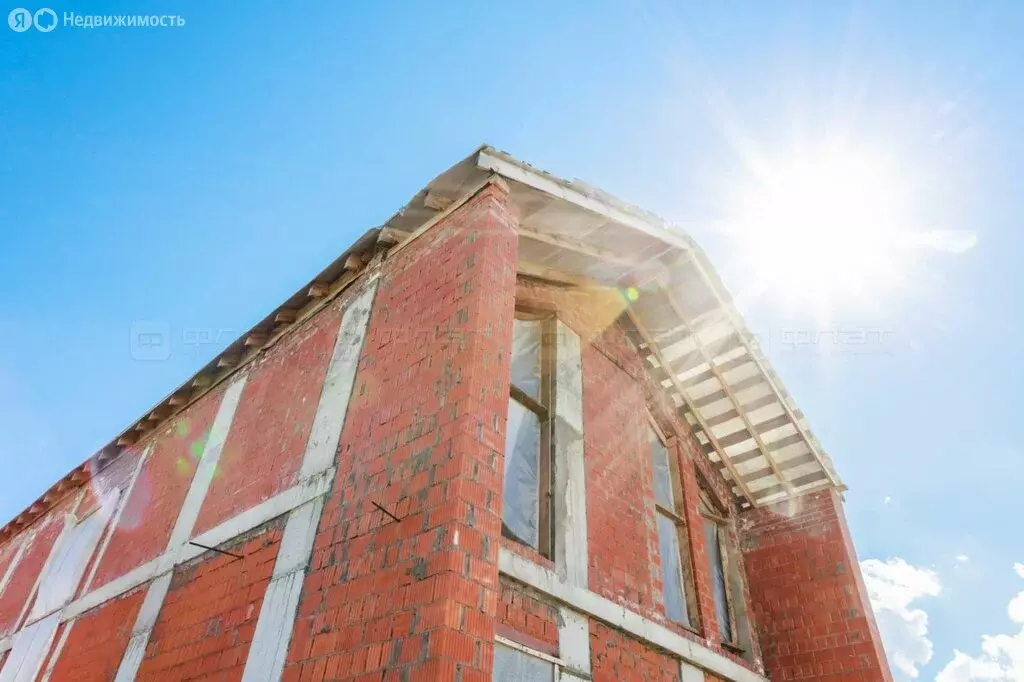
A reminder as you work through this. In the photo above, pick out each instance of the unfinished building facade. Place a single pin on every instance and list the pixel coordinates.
(518, 433)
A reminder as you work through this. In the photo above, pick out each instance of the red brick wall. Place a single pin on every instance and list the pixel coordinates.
(152, 507)
(621, 533)
(416, 599)
(263, 451)
(614, 657)
(97, 641)
(527, 618)
(420, 598)
(810, 605)
(624, 562)
(209, 616)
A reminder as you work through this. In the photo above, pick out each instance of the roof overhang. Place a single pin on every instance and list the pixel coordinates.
(694, 341)
(688, 331)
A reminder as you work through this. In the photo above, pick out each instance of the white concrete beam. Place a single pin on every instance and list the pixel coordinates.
(594, 605)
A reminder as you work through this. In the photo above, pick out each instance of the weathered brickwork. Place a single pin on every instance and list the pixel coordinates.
(416, 598)
(615, 657)
(264, 450)
(97, 641)
(527, 618)
(621, 533)
(209, 615)
(809, 599)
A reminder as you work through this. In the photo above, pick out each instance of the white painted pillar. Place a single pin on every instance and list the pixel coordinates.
(31, 644)
(115, 520)
(570, 497)
(181, 533)
(277, 614)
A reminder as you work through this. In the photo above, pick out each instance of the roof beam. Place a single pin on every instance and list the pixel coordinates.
(732, 398)
(553, 275)
(696, 415)
(575, 246)
(491, 160)
(714, 285)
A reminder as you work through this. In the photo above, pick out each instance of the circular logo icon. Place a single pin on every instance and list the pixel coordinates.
(46, 20)
(19, 20)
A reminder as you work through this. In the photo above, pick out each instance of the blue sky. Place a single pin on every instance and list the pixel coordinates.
(199, 175)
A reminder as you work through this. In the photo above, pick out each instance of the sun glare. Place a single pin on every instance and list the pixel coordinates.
(819, 230)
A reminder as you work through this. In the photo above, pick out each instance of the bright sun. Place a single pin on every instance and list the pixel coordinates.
(821, 229)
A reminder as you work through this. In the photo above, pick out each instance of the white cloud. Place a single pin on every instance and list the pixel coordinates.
(1002, 656)
(893, 586)
(963, 558)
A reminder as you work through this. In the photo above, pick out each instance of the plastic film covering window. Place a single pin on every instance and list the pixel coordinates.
(526, 357)
(511, 665)
(671, 571)
(662, 474)
(520, 508)
(714, 551)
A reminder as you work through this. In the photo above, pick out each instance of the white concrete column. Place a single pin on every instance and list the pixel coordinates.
(570, 500)
(277, 614)
(31, 644)
(181, 533)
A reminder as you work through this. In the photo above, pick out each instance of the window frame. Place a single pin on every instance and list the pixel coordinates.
(678, 518)
(543, 408)
(556, 663)
(711, 513)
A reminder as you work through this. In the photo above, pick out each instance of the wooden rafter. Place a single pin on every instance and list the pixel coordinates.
(756, 359)
(741, 413)
(554, 275)
(255, 340)
(578, 247)
(285, 316)
(700, 420)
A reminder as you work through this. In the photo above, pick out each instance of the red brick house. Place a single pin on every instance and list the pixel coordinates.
(517, 433)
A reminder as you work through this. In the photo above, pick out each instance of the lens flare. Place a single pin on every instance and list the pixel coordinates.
(831, 227)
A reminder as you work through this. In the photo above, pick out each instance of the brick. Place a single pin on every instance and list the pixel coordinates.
(809, 600)
(97, 641)
(152, 507)
(401, 589)
(263, 452)
(420, 597)
(209, 615)
(615, 656)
